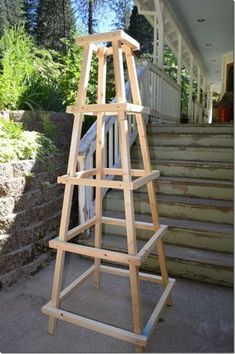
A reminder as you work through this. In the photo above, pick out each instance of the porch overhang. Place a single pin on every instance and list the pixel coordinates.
(203, 29)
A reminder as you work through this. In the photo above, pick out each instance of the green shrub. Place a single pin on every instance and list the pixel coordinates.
(16, 66)
(36, 78)
(17, 144)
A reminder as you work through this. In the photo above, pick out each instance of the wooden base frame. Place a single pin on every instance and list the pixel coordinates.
(127, 336)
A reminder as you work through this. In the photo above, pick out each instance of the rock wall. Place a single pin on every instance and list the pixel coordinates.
(31, 201)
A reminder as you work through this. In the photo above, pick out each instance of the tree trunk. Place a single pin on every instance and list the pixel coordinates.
(90, 16)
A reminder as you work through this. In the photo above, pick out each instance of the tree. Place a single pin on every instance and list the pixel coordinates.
(11, 14)
(123, 10)
(89, 12)
(30, 10)
(142, 31)
(54, 21)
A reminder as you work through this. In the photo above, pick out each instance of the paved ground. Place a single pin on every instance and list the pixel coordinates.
(200, 321)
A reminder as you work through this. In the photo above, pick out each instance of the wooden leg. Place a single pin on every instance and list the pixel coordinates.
(58, 273)
(130, 227)
(136, 305)
(98, 199)
(163, 267)
(100, 141)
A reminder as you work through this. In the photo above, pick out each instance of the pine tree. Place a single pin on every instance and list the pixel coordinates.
(88, 10)
(142, 31)
(54, 21)
(11, 14)
(3, 17)
(123, 10)
(30, 9)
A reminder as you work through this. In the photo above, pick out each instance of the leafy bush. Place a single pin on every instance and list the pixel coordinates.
(16, 66)
(17, 144)
(40, 79)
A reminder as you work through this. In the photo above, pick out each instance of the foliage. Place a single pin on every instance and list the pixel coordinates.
(142, 31)
(17, 144)
(48, 126)
(30, 13)
(54, 21)
(16, 66)
(11, 14)
(89, 11)
(70, 73)
(123, 11)
(171, 67)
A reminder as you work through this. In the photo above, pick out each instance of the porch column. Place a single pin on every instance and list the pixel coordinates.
(179, 59)
(203, 97)
(155, 30)
(159, 12)
(199, 118)
(190, 89)
(210, 94)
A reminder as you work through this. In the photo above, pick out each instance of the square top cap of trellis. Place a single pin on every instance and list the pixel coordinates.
(120, 35)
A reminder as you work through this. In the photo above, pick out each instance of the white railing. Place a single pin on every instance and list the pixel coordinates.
(197, 112)
(161, 94)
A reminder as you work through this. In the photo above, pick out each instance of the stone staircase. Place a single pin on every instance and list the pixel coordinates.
(195, 196)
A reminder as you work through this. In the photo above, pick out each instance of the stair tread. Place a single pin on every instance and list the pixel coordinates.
(184, 134)
(180, 223)
(197, 201)
(219, 164)
(206, 125)
(198, 255)
(214, 182)
(179, 199)
(188, 147)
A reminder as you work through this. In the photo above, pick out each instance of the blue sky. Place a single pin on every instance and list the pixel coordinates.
(104, 18)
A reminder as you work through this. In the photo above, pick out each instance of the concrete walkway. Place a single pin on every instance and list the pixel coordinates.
(200, 321)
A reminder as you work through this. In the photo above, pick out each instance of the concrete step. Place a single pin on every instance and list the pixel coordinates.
(207, 266)
(187, 139)
(202, 153)
(194, 169)
(181, 232)
(176, 207)
(190, 128)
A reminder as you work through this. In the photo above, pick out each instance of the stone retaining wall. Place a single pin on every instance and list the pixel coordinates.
(31, 201)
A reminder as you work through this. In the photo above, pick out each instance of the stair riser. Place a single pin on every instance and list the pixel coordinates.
(190, 171)
(187, 154)
(188, 140)
(176, 210)
(197, 191)
(183, 237)
(192, 270)
(167, 129)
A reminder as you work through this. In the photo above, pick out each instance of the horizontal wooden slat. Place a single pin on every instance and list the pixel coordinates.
(117, 257)
(111, 108)
(95, 183)
(73, 286)
(143, 180)
(144, 252)
(122, 222)
(119, 172)
(81, 228)
(126, 273)
(93, 325)
(109, 37)
(148, 329)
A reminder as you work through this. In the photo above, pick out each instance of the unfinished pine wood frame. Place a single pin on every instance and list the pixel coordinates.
(132, 179)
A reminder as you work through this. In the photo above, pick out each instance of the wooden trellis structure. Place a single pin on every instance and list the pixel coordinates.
(132, 179)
